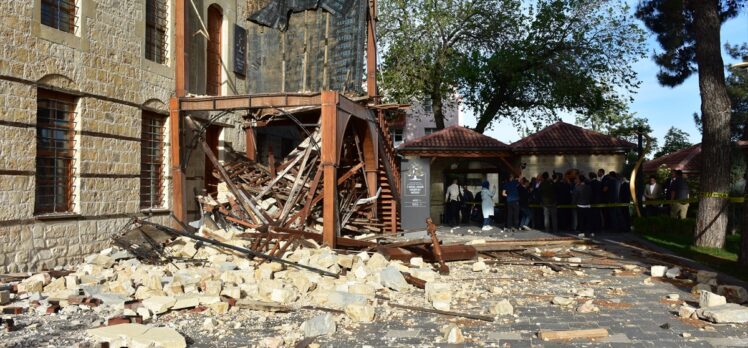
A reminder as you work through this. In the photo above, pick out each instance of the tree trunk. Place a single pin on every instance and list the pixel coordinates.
(743, 253)
(711, 225)
(436, 107)
(488, 114)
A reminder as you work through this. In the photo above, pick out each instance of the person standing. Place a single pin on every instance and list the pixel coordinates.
(524, 204)
(652, 192)
(612, 190)
(596, 197)
(679, 192)
(511, 194)
(486, 197)
(453, 198)
(467, 204)
(582, 199)
(563, 197)
(624, 197)
(548, 197)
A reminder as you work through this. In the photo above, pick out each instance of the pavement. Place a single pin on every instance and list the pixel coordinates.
(633, 308)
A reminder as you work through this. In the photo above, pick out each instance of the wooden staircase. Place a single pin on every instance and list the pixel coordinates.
(388, 204)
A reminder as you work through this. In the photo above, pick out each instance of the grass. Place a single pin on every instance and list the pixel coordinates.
(677, 236)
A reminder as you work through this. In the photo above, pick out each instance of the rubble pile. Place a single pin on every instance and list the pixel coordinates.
(187, 290)
(120, 288)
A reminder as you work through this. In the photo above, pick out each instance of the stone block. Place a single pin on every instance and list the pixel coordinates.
(393, 279)
(657, 271)
(159, 304)
(708, 299)
(725, 314)
(502, 307)
(362, 313)
(319, 326)
(733, 293)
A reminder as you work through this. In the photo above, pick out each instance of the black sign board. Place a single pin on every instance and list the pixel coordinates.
(240, 50)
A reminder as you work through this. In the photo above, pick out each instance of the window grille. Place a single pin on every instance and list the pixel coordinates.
(156, 24)
(60, 14)
(55, 130)
(151, 161)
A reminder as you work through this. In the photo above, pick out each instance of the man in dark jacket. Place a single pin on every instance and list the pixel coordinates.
(468, 203)
(524, 204)
(596, 197)
(612, 191)
(582, 199)
(550, 210)
(625, 197)
(563, 197)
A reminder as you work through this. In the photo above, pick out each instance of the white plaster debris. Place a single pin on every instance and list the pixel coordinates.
(168, 292)
(657, 271)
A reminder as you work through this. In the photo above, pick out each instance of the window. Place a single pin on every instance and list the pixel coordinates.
(151, 161)
(429, 130)
(156, 24)
(397, 136)
(59, 14)
(427, 106)
(55, 130)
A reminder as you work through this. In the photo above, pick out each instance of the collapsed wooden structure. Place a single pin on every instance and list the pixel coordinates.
(348, 150)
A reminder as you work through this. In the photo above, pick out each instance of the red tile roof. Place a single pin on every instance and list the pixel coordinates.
(688, 160)
(562, 137)
(455, 138)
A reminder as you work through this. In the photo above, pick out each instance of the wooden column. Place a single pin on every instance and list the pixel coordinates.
(177, 175)
(371, 52)
(329, 125)
(180, 48)
(249, 132)
(372, 178)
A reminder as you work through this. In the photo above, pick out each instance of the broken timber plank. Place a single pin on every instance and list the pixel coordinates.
(572, 334)
(263, 306)
(449, 313)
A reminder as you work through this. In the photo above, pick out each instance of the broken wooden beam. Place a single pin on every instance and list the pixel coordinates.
(572, 334)
(449, 313)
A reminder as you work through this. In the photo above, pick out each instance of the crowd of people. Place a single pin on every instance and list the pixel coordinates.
(570, 202)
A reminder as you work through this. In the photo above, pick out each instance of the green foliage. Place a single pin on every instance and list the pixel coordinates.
(512, 59)
(675, 139)
(672, 23)
(424, 40)
(562, 56)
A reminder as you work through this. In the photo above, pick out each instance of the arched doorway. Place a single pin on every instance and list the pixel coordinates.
(213, 57)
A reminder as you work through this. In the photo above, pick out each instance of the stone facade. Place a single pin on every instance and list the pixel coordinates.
(537, 164)
(419, 117)
(103, 65)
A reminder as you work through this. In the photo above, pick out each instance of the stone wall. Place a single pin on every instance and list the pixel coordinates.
(103, 65)
(537, 164)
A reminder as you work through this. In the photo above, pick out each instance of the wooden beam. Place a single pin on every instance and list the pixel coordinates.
(180, 49)
(330, 210)
(177, 174)
(572, 334)
(371, 52)
(249, 133)
(350, 172)
(252, 101)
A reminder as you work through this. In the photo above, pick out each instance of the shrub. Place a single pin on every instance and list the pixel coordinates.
(665, 225)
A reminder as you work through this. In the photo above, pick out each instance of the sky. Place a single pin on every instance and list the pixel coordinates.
(665, 107)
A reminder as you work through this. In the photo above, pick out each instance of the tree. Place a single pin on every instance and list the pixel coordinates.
(675, 139)
(689, 33)
(424, 40)
(622, 125)
(559, 56)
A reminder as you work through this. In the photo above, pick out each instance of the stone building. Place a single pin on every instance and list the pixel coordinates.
(562, 146)
(418, 120)
(84, 91)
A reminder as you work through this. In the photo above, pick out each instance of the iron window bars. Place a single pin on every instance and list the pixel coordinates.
(156, 24)
(55, 148)
(151, 161)
(60, 14)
